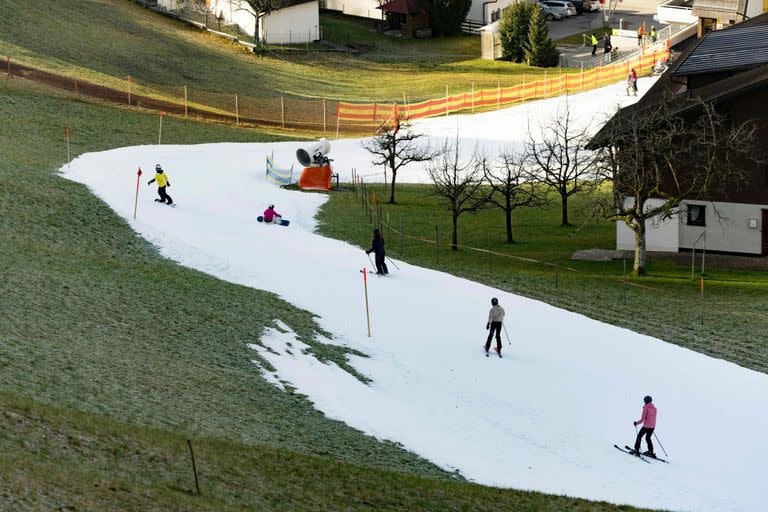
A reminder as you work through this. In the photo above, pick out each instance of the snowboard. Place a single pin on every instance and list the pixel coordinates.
(282, 222)
(172, 205)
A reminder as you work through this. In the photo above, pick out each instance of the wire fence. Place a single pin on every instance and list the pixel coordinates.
(704, 321)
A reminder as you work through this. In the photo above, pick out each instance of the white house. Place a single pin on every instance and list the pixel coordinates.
(361, 8)
(297, 22)
(480, 12)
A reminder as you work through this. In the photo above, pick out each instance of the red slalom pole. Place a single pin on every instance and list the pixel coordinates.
(136, 201)
(365, 285)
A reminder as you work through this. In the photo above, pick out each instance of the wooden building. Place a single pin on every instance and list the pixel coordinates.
(729, 69)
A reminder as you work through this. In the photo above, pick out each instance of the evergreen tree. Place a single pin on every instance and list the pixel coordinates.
(446, 16)
(513, 29)
(540, 51)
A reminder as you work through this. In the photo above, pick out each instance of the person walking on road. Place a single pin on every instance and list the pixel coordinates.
(648, 421)
(495, 322)
(594, 45)
(377, 247)
(162, 182)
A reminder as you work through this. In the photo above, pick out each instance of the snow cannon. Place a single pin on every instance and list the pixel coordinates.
(317, 173)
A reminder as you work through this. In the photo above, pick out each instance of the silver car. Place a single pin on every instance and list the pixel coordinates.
(550, 13)
(561, 7)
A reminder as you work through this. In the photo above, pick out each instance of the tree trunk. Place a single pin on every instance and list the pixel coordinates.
(639, 266)
(564, 201)
(392, 188)
(509, 226)
(455, 234)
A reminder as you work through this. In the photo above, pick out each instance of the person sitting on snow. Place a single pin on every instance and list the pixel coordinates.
(270, 214)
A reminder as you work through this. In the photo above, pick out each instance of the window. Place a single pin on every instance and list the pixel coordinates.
(697, 215)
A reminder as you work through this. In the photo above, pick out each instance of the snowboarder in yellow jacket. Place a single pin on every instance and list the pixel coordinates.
(162, 181)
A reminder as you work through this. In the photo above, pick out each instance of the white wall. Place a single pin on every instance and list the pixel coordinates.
(296, 24)
(476, 10)
(731, 233)
(672, 11)
(659, 236)
(362, 8)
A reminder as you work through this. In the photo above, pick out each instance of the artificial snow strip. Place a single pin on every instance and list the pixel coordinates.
(543, 418)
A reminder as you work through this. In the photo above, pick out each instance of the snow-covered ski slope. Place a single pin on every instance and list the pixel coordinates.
(543, 418)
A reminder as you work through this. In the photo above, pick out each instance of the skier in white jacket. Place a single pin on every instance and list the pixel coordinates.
(495, 320)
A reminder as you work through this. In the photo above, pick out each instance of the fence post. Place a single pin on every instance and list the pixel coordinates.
(473, 96)
(237, 110)
(702, 299)
(545, 83)
(401, 235)
(490, 253)
(581, 78)
(9, 67)
(446, 99)
(523, 89)
(185, 101)
(498, 95)
(338, 115)
(624, 281)
(129, 91)
(282, 110)
(324, 117)
(437, 244)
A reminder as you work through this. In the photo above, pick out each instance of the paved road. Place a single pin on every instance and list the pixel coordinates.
(633, 12)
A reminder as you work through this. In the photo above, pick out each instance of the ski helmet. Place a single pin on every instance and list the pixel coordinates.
(158, 168)
(648, 399)
(271, 206)
(494, 301)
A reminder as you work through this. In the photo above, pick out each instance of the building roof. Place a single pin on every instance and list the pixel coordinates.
(724, 9)
(723, 50)
(405, 6)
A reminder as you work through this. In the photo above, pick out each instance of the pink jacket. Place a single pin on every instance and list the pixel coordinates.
(648, 419)
(270, 214)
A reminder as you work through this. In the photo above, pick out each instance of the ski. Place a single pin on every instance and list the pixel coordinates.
(648, 456)
(631, 453)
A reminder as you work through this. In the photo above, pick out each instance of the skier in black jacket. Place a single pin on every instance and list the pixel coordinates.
(377, 247)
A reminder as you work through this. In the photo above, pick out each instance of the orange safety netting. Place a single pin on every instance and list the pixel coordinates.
(376, 113)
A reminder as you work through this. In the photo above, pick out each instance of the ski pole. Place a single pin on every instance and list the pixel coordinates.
(662, 446)
(507, 335)
(369, 259)
(392, 262)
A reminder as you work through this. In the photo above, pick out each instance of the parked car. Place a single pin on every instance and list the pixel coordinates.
(550, 13)
(583, 6)
(561, 7)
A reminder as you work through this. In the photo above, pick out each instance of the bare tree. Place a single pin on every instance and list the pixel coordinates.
(397, 145)
(202, 7)
(656, 159)
(259, 9)
(512, 186)
(459, 185)
(560, 160)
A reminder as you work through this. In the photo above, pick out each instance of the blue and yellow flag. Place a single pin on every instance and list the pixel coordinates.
(281, 176)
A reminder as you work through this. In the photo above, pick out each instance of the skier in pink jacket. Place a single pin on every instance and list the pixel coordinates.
(648, 421)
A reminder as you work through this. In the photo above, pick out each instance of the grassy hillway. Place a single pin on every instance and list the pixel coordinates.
(664, 304)
(105, 41)
(112, 356)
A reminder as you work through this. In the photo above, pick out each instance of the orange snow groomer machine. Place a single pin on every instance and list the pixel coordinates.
(317, 173)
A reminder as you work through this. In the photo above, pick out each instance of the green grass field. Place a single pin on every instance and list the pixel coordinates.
(112, 357)
(105, 41)
(665, 304)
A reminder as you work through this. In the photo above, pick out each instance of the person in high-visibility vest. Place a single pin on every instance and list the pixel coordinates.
(594, 45)
(654, 34)
(162, 182)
